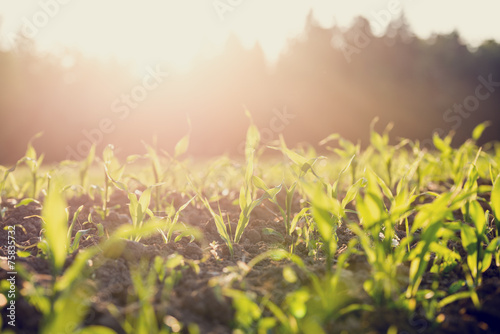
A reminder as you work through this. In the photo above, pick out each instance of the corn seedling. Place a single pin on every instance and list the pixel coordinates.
(246, 200)
(112, 172)
(348, 151)
(475, 242)
(221, 226)
(158, 173)
(33, 161)
(172, 219)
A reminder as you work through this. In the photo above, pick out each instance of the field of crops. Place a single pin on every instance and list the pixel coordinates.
(391, 238)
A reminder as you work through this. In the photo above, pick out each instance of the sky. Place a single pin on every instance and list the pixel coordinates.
(150, 31)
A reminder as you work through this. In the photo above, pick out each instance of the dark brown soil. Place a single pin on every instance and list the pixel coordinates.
(193, 297)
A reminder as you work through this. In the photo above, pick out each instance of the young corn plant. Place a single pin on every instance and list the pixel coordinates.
(435, 220)
(6, 174)
(327, 213)
(475, 241)
(172, 219)
(247, 200)
(65, 303)
(301, 165)
(68, 292)
(250, 315)
(55, 226)
(377, 222)
(385, 151)
(113, 171)
(139, 208)
(73, 245)
(300, 168)
(221, 226)
(446, 161)
(144, 319)
(33, 161)
(348, 151)
(308, 309)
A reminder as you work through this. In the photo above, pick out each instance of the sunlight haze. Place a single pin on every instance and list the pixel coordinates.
(150, 31)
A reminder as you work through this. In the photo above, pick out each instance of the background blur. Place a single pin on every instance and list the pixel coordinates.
(323, 77)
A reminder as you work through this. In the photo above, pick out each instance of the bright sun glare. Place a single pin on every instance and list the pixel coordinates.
(137, 32)
(151, 31)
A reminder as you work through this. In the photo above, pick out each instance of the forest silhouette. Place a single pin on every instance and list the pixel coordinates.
(327, 80)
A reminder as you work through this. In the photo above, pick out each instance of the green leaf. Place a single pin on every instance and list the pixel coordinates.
(74, 271)
(23, 254)
(441, 144)
(297, 303)
(469, 239)
(181, 146)
(289, 274)
(73, 221)
(455, 286)
(331, 137)
(495, 198)
(492, 249)
(26, 201)
(107, 154)
(76, 241)
(133, 158)
(56, 225)
(371, 209)
(133, 205)
(221, 227)
(353, 191)
(450, 299)
(476, 212)
(433, 212)
(252, 139)
(377, 141)
(295, 219)
(292, 155)
(271, 193)
(145, 199)
(259, 183)
(479, 129)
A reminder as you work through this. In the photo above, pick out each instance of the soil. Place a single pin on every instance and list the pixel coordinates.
(193, 297)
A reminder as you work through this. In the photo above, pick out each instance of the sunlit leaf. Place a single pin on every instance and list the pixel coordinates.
(495, 198)
(56, 225)
(479, 129)
(181, 146)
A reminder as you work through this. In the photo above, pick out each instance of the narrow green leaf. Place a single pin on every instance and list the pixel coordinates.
(477, 214)
(495, 198)
(457, 296)
(26, 201)
(56, 225)
(479, 129)
(259, 183)
(181, 146)
(145, 198)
